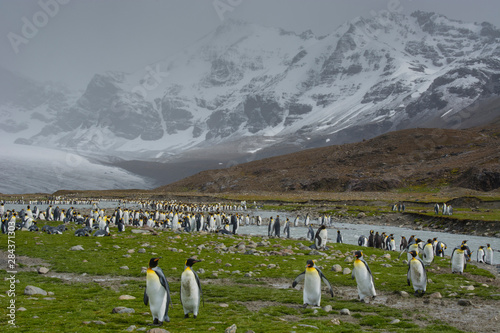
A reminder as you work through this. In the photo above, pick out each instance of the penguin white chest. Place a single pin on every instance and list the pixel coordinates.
(364, 280)
(312, 287)
(190, 295)
(157, 295)
(457, 262)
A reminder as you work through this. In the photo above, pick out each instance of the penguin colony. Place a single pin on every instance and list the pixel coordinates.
(212, 218)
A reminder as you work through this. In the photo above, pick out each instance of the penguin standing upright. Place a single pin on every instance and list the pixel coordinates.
(371, 240)
(340, 239)
(312, 278)
(364, 278)
(480, 254)
(296, 221)
(488, 257)
(428, 253)
(277, 227)
(321, 237)
(307, 220)
(157, 293)
(270, 228)
(458, 262)
(417, 274)
(310, 233)
(190, 289)
(121, 225)
(286, 228)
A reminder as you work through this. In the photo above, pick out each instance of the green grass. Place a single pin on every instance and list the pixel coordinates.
(261, 302)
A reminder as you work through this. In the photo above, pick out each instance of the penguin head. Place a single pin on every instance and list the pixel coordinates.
(413, 253)
(310, 263)
(481, 247)
(488, 245)
(418, 240)
(358, 254)
(429, 241)
(153, 262)
(190, 262)
(463, 247)
(322, 227)
(338, 231)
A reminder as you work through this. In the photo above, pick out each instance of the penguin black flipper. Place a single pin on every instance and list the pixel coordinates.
(367, 267)
(423, 267)
(165, 285)
(146, 298)
(408, 274)
(325, 280)
(199, 286)
(299, 278)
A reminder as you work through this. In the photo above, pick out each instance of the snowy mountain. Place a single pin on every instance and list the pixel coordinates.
(245, 91)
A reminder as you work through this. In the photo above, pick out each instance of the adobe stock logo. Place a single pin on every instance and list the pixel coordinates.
(30, 28)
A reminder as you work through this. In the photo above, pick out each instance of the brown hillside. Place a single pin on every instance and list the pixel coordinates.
(467, 158)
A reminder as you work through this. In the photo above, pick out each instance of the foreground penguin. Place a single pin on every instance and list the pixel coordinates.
(364, 278)
(312, 278)
(458, 262)
(157, 293)
(417, 274)
(190, 289)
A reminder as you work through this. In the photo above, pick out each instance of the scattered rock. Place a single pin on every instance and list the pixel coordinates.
(327, 308)
(98, 322)
(43, 270)
(116, 246)
(464, 302)
(271, 266)
(348, 259)
(49, 298)
(467, 287)
(131, 328)
(200, 271)
(395, 321)
(223, 305)
(126, 297)
(403, 293)
(122, 309)
(158, 330)
(345, 312)
(131, 251)
(32, 290)
(386, 256)
(124, 267)
(141, 251)
(346, 271)
(335, 321)
(21, 309)
(386, 265)
(211, 328)
(436, 295)
(337, 268)
(77, 248)
(231, 329)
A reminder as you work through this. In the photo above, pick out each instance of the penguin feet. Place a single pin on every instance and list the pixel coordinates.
(156, 322)
(194, 316)
(186, 315)
(304, 305)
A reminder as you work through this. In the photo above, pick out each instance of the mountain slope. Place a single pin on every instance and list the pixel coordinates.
(431, 157)
(370, 76)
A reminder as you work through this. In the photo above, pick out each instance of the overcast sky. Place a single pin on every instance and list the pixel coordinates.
(74, 40)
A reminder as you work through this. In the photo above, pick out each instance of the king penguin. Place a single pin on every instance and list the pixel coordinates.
(190, 289)
(312, 278)
(157, 293)
(428, 253)
(364, 278)
(362, 240)
(488, 257)
(458, 259)
(480, 254)
(321, 238)
(340, 239)
(417, 274)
